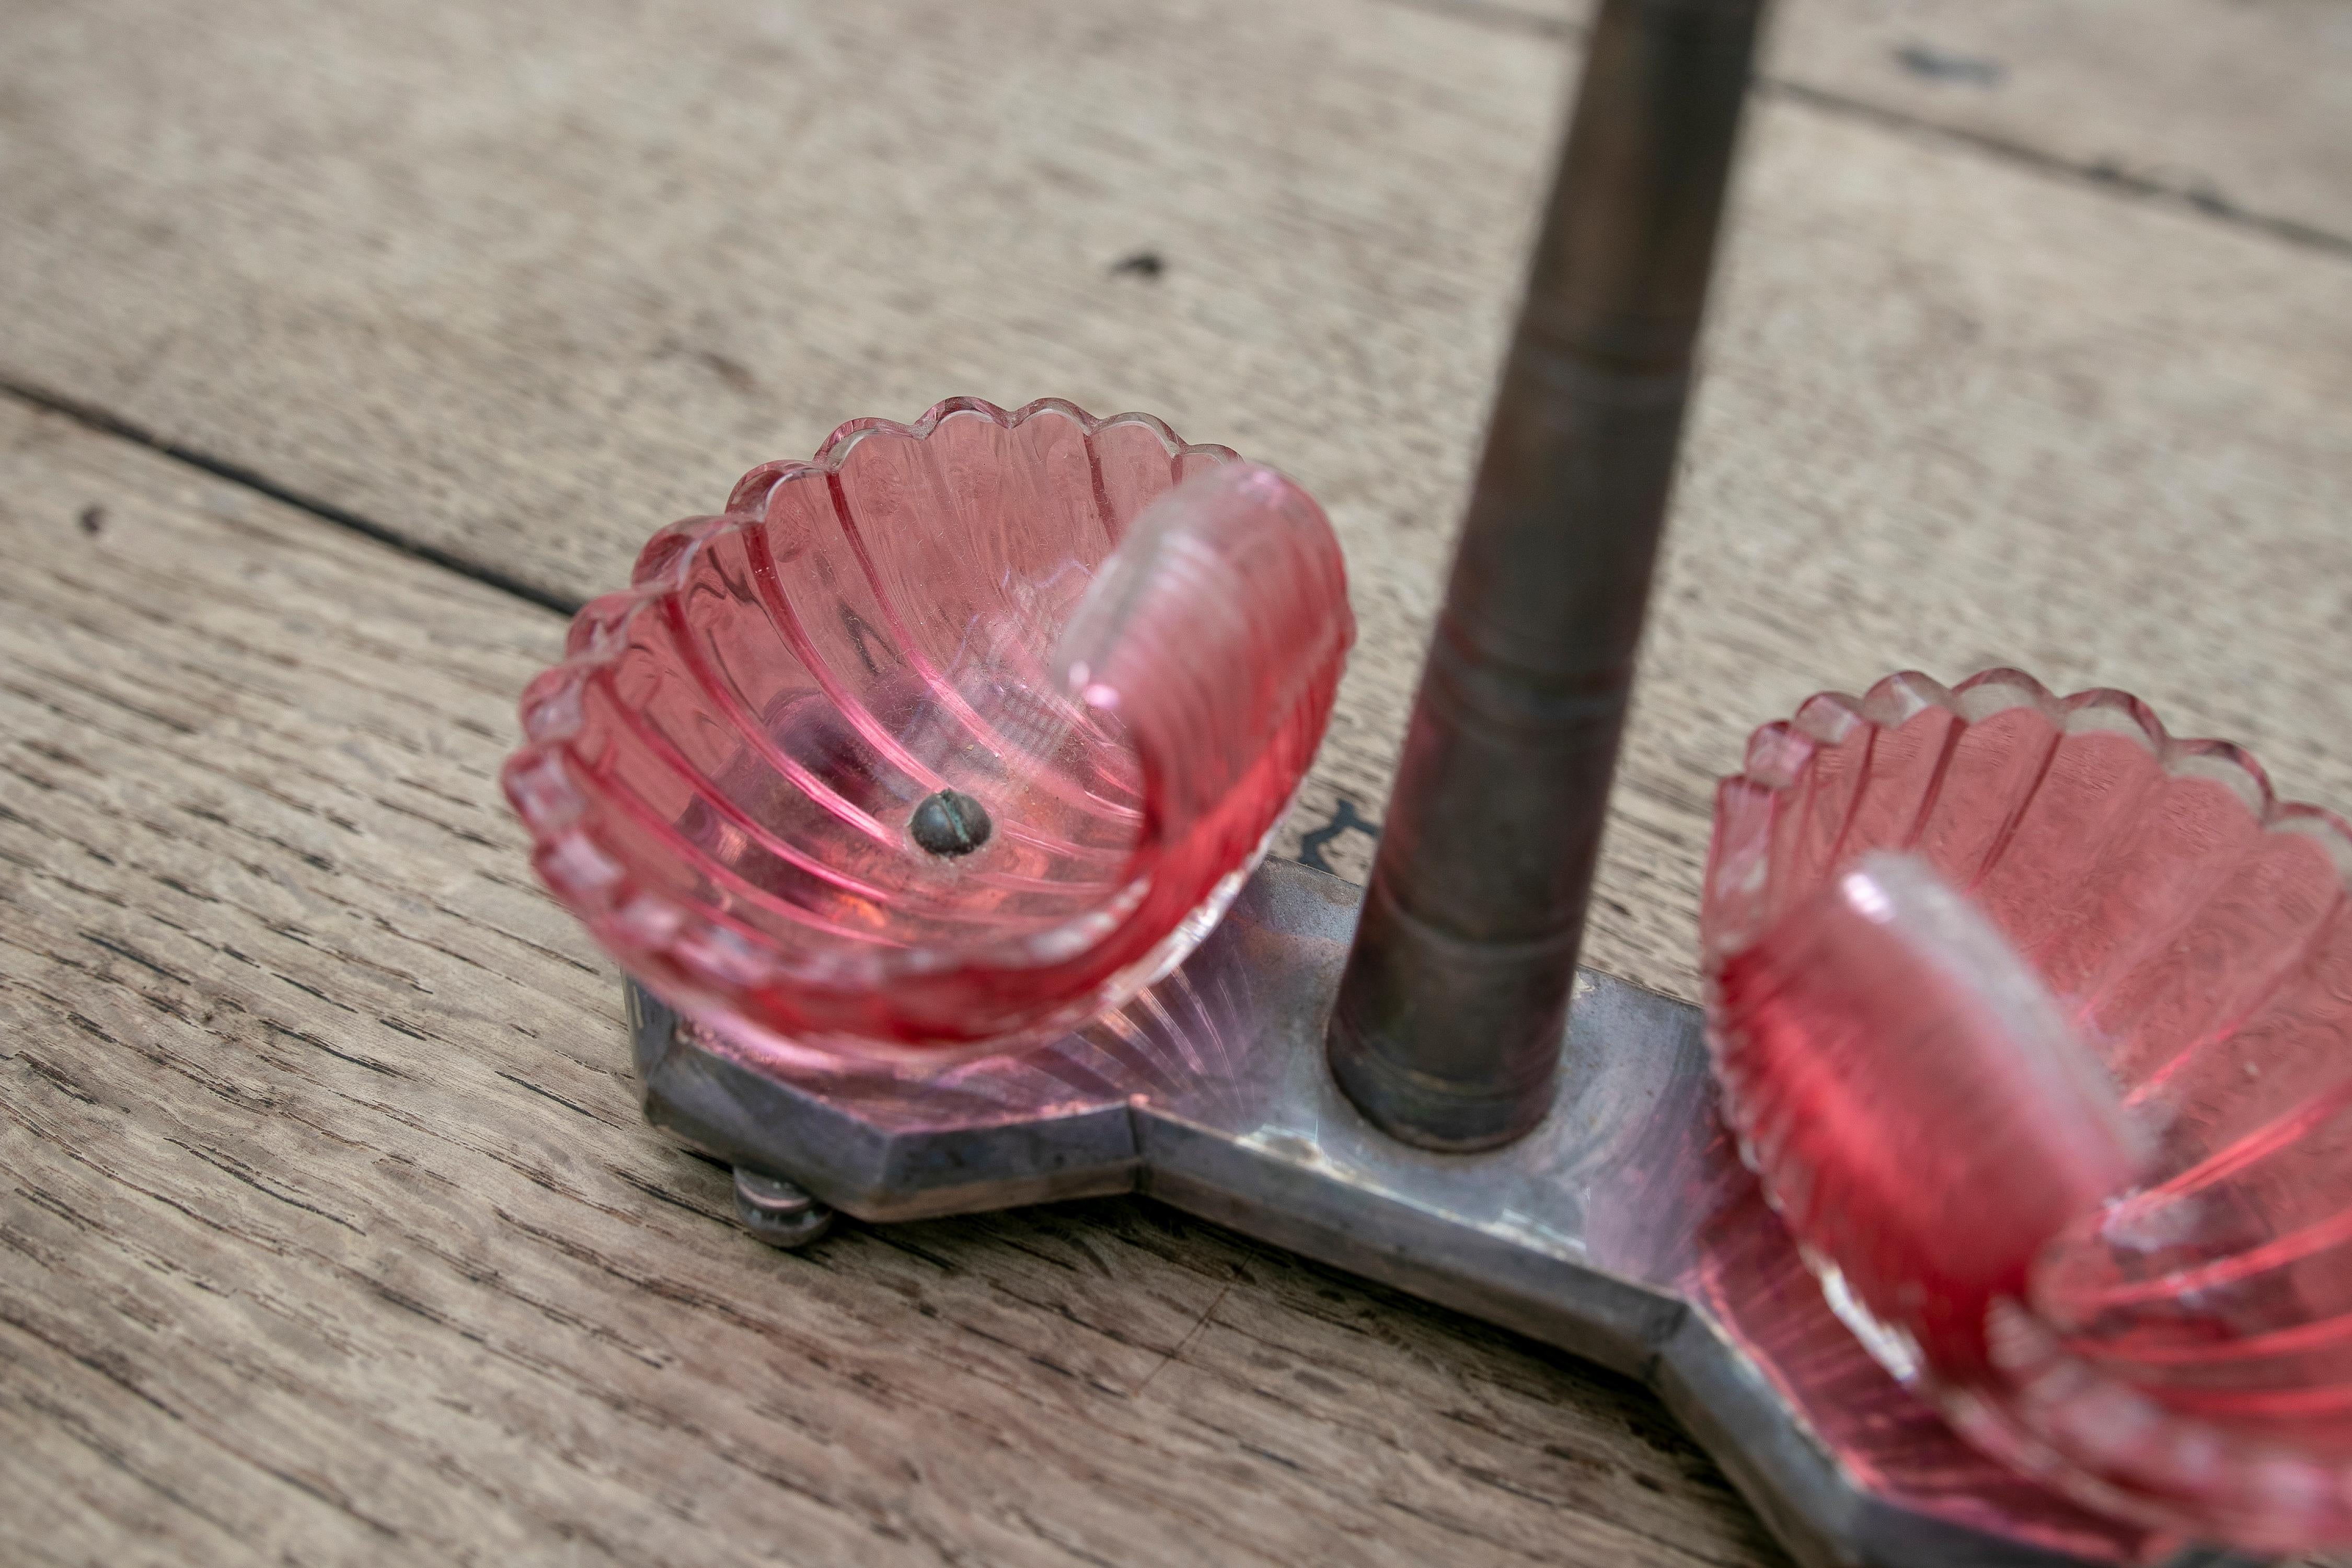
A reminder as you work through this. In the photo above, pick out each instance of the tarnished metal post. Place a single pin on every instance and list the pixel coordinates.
(1447, 1032)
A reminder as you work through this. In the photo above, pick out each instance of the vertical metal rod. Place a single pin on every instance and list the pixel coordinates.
(1447, 1032)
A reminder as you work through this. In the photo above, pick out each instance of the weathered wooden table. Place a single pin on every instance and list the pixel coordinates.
(344, 346)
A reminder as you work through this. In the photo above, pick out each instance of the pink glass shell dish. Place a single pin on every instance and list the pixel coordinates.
(1123, 648)
(2036, 1023)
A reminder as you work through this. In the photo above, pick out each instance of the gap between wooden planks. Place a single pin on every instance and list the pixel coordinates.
(328, 1231)
(1955, 413)
(2237, 107)
(520, 283)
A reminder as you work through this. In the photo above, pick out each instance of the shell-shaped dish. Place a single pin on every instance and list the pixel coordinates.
(945, 740)
(2166, 1337)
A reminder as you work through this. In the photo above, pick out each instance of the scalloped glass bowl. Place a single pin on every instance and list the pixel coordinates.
(2159, 1321)
(1122, 647)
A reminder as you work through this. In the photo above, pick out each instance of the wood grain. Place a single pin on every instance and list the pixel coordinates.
(520, 284)
(2240, 108)
(329, 1231)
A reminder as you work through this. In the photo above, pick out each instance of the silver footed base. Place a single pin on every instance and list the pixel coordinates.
(1622, 1230)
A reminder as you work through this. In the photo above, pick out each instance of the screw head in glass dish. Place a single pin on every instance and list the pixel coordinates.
(2036, 1023)
(942, 741)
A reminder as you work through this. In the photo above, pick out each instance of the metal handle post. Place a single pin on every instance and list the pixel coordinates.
(1448, 1027)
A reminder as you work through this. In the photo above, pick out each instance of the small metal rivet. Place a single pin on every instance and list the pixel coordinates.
(950, 823)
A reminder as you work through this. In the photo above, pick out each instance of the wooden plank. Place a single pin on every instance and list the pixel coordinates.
(525, 285)
(2241, 106)
(329, 1229)
(2242, 109)
(520, 286)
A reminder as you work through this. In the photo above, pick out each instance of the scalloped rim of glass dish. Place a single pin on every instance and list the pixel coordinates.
(1774, 765)
(550, 805)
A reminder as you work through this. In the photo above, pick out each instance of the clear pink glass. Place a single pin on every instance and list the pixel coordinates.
(1123, 647)
(2058, 1102)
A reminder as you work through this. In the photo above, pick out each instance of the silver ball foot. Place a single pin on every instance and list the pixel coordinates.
(777, 1211)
